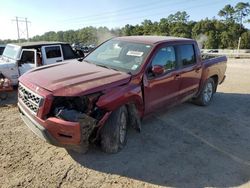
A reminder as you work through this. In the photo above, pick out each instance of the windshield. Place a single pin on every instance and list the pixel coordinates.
(120, 55)
(11, 51)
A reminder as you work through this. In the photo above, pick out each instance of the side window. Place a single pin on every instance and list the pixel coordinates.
(27, 57)
(187, 55)
(53, 52)
(166, 58)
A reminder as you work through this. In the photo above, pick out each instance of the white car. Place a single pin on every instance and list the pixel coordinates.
(20, 58)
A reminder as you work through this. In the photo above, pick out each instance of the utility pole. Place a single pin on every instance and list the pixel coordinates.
(27, 30)
(18, 34)
(20, 20)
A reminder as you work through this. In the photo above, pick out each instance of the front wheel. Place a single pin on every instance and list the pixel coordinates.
(206, 95)
(114, 132)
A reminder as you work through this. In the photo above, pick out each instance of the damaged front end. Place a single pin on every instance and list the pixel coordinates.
(83, 110)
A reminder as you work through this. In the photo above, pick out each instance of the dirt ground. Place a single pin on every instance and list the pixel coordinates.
(187, 146)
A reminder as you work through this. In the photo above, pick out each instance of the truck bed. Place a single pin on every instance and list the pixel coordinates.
(206, 56)
(214, 64)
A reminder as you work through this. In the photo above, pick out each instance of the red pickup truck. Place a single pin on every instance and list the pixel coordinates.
(124, 79)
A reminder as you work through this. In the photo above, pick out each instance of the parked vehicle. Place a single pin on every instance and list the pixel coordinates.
(213, 51)
(20, 58)
(91, 47)
(116, 85)
(2, 47)
(85, 49)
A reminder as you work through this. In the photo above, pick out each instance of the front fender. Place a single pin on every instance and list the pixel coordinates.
(122, 95)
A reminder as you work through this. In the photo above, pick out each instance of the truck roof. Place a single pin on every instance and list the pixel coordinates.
(152, 39)
(40, 43)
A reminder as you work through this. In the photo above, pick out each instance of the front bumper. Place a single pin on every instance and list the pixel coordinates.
(39, 130)
(56, 131)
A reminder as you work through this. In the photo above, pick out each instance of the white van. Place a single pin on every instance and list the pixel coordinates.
(20, 58)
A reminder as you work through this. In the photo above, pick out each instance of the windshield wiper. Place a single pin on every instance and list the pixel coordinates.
(101, 65)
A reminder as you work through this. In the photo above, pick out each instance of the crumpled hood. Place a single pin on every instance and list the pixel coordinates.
(74, 78)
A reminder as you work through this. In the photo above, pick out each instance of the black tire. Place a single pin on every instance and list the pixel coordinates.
(114, 132)
(206, 95)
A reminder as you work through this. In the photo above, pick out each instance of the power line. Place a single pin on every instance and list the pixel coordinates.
(112, 12)
(19, 31)
(127, 10)
(99, 21)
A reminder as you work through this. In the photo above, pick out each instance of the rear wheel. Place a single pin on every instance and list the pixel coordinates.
(114, 132)
(206, 95)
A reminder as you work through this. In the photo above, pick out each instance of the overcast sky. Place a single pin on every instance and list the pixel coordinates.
(55, 15)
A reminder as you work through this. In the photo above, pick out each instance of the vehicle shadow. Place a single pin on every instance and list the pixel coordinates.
(11, 98)
(187, 146)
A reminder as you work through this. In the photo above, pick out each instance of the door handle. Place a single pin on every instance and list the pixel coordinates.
(177, 76)
(58, 60)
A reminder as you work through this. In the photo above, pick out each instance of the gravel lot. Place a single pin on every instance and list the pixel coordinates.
(187, 146)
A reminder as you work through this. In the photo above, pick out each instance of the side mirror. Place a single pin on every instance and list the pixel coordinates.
(157, 70)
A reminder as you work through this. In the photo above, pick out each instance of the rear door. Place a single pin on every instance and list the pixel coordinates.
(191, 71)
(51, 54)
(27, 60)
(163, 89)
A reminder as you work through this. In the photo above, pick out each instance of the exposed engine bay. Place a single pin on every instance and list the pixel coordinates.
(71, 108)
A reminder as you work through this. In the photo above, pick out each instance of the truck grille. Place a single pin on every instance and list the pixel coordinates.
(29, 98)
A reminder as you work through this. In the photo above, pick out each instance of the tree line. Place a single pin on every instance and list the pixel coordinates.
(212, 33)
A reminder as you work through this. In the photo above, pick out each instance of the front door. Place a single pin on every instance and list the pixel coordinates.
(27, 61)
(163, 89)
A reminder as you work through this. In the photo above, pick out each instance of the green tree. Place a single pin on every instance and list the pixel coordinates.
(180, 29)
(228, 12)
(242, 11)
(245, 40)
(163, 27)
(182, 17)
(150, 28)
(87, 35)
(127, 30)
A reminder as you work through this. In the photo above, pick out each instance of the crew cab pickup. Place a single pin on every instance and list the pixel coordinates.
(22, 57)
(121, 81)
